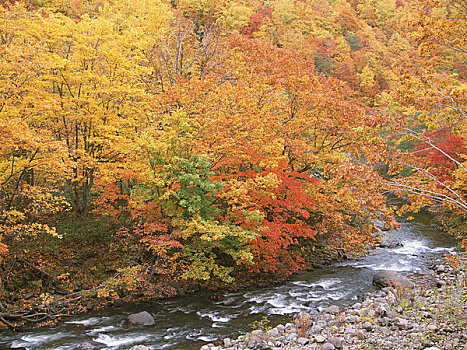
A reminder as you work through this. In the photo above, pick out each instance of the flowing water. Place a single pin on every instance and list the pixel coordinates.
(189, 322)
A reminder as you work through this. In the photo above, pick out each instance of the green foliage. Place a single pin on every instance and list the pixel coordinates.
(354, 41)
(324, 65)
(196, 191)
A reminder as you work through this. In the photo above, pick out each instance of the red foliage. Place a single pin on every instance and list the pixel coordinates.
(288, 222)
(256, 20)
(441, 165)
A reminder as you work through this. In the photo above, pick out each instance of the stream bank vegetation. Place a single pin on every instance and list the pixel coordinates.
(152, 148)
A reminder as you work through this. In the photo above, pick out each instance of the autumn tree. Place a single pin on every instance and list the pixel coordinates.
(433, 94)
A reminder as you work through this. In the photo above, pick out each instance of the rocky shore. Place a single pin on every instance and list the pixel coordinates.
(392, 318)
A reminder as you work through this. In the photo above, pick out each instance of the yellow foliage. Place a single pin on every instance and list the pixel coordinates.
(237, 17)
(366, 78)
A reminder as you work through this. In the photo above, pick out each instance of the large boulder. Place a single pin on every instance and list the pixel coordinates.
(388, 278)
(141, 318)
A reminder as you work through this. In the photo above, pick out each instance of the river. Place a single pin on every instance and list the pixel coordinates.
(190, 322)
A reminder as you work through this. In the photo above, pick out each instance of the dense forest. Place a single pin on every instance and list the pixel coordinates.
(153, 147)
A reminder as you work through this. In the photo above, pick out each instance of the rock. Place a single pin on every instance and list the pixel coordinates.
(333, 309)
(386, 331)
(336, 341)
(383, 321)
(426, 343)
(388, 278)
(316, 329)
(303, 341)
(86, 346)
(350, 330)
(141, 318)
(390, 245)
(441, 268)
(431, 327)
(361, 335)
(320, 339)
(327, 346)
(280, 328)
(140, 347)
(401, 323)
(368, 326)
(432, 348)
(227, 342)
(382, 310)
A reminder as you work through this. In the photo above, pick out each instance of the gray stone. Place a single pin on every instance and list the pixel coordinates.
(320, 339)
(432, 348)
(86, 346)
(382, 311)
(361, 335)
(141, 318)
(333, 309)
(368, 326)
(384, 321)
(402, 323)
(386, 331)
(441, 268)
(227, 342)
(327, 346)
(426, 343)
(140, 347)
(316, 329)
(388, 278)
(303, 341)
(350, 330)
(390, 244)
(336, 341)
(391, 314)
(280, 328)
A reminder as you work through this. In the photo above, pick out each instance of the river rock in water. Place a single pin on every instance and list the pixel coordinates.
(388, 278)
(390, 244)
(141, 318)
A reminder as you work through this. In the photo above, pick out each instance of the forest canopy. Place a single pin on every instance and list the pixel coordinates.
(151, 144)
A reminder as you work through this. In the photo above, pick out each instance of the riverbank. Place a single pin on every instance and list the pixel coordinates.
(193, 320)
(388, 319)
